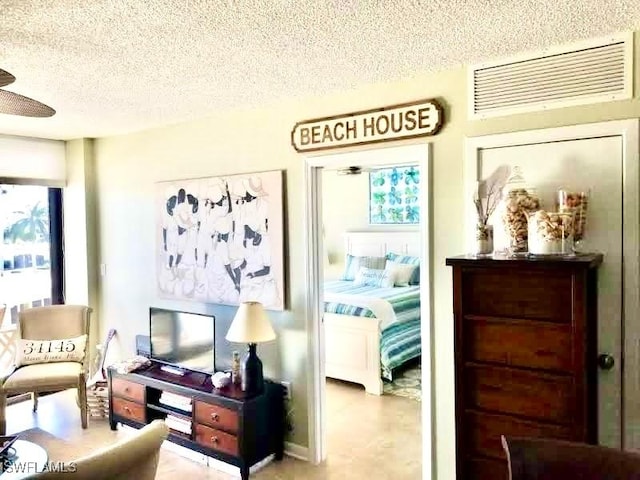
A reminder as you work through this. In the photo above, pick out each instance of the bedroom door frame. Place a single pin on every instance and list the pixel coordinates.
(629, 131)
(405, 153)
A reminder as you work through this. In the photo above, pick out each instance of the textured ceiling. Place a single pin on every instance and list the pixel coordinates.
(111, 67)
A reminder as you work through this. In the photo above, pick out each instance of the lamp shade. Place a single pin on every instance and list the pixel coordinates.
(250, 325)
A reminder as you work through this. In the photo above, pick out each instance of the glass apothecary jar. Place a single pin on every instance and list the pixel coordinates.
(576, 202)
(519, 201)
(551, 233)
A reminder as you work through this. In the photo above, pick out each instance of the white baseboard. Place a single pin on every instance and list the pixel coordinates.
(296, 451)
(187, 453)
(212, 462)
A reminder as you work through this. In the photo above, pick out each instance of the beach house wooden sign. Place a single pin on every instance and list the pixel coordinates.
(396, 122)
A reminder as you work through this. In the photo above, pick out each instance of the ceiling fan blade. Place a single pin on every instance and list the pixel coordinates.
(6, 78)
(14, 104)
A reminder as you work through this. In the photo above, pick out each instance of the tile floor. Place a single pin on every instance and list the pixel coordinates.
(368, 437)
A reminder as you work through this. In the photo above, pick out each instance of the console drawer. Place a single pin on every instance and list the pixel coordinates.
(131, 390)
(216, 439)
(131, 410)
(216, 416)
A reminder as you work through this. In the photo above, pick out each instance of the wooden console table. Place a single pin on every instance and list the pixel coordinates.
(226, 424)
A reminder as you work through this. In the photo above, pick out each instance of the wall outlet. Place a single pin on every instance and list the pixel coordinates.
(286, 386)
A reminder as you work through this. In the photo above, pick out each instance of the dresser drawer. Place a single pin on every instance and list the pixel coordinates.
(534, 395)
(216, 416)
(483, 431)
(485, 469)
(216, 439)
(130, 410)
(126, 389)
(524, 294)
(523, 343)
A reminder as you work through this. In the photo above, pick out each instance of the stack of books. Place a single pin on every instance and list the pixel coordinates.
(178, 424)
(176, 401)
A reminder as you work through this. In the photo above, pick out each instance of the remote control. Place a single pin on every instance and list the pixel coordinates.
(174, 370)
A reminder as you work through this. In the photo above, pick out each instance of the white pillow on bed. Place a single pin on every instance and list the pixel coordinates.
(373, 277)
(401, 272)
(353, 264)
(407, 260)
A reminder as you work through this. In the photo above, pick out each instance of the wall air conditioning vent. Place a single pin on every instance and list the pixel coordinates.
(588, 72)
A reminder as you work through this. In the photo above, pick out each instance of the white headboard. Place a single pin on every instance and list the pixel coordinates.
(378, 244)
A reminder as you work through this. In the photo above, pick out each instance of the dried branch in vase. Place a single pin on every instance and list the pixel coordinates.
(488, 193)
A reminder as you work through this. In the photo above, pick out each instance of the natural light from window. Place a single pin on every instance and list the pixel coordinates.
(25, 276)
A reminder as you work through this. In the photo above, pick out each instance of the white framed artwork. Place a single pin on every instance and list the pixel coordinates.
(221, 239)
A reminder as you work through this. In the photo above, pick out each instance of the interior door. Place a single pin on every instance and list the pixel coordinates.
(594, 164)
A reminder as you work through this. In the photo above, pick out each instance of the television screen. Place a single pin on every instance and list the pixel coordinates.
(182, 339)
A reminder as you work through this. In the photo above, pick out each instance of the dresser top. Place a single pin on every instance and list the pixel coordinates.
(588, 260)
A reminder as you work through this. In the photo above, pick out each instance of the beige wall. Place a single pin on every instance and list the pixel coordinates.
(81, 265)
(34, 159)
(256, 140)
(345, 206)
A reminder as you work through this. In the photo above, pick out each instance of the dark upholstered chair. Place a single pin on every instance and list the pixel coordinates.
(543, 459)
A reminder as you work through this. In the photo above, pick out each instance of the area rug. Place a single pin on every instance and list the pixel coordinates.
(406, 383)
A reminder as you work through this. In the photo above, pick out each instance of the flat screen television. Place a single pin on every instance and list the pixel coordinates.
(181, 339)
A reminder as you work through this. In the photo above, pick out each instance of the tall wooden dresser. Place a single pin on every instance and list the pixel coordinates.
(525, 355)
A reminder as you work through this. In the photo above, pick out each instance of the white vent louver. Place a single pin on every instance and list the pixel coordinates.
(588, 72)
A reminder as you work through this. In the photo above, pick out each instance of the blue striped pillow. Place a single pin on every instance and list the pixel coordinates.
(409, 260)
(353, 264)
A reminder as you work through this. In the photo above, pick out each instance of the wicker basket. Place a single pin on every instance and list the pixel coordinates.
(98, 400)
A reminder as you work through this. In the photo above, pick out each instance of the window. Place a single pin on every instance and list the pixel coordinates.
(31, 259)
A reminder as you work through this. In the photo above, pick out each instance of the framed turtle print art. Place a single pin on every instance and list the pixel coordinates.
(394, 194)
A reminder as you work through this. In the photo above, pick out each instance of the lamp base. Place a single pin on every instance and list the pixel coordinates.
(252, 379)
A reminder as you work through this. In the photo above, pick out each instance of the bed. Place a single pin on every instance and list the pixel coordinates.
(371, 330)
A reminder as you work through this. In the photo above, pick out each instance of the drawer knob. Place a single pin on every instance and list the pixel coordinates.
(606, 361)
(126, 389)
(127, 409)
(215, 417)
(214, 440)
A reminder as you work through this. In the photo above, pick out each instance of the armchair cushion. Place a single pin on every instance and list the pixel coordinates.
(43, 375)
(30, 352)
(134, 457)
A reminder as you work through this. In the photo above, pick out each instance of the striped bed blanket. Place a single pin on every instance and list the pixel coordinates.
(399, 343)
(396, 308)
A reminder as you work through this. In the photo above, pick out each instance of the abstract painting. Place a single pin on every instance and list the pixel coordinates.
(220, 239)
(394, 195)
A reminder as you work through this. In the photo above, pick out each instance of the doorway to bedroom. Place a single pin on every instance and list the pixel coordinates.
(371, 292)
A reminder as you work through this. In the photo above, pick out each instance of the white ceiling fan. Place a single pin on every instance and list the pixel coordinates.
(14, 104)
